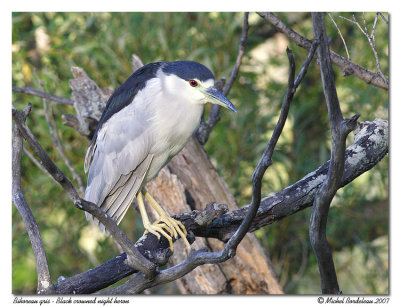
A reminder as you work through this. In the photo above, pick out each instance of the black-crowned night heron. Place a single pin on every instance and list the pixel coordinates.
(146, 121)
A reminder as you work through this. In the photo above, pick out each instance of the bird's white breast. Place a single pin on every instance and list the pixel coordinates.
(174, 122)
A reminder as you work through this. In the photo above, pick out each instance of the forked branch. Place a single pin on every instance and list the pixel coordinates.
(340, 128)
(45, 285)
(348, 67)
(205, 128)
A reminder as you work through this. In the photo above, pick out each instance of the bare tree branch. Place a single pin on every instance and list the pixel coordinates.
(371, 39)
(55, 136)
(383, 17)
(37, 163)
(45, 285)
(134, 258)
(32, 91)
(89, 102)
(370, 146)
(348, 67)
(156, 250)
(205, 128)
(340, 128)
(340, 34)
(242, 46)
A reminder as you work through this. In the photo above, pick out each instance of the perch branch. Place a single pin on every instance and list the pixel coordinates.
(45, 286)
(370, 146)
(340, 128)
(41, 94)
(114, 269)
(134, 259)
(347, 66)
(205, 128)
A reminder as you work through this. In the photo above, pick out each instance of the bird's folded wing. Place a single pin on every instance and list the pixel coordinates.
(119, 159)
(116, 204)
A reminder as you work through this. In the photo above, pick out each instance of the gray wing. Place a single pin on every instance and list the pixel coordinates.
(118, 161)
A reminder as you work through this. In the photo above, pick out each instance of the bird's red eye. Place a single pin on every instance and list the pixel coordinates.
(193, 83)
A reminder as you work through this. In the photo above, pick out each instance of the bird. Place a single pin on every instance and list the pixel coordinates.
(146, 121)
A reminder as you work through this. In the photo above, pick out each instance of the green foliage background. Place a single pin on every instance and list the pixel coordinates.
(102, 44)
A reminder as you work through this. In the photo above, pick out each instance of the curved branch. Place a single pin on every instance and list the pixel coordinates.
(347, 66)
(45, 285)
(41, 94)
(370, 146)
(55, 136)
(340, 128)
(205, 128)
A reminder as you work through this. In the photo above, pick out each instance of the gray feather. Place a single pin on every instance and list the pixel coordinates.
(118, 161)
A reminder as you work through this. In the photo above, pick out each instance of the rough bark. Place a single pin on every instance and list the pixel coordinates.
(340, 128)
(371, 144)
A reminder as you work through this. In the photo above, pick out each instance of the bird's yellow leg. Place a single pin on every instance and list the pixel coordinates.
(155, 229)
(176, 226)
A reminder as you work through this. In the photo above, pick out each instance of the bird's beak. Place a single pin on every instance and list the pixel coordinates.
(218, 98)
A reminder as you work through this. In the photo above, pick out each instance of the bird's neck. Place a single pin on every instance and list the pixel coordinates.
(177, 121)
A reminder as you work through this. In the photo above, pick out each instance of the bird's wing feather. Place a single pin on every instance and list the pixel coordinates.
(116, 204)
(120, 99)
(119, 159)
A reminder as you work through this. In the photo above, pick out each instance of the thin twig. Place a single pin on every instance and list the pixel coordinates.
(306, 64)
(347, 66)
(266, 158)
(37, 163)
(383, 17)
(373, 28)
(45, 285)
(370, 38)
(134, 258)
(55, 136)
(242, 46)
(32, 91)
(364, 22)
(340, 128)
(340, 34)
(205, 128)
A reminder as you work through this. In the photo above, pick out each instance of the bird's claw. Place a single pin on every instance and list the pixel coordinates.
(174, 227)
(155, 229)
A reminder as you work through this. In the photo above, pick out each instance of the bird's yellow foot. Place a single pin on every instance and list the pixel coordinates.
(173, 225)
(157, 229)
